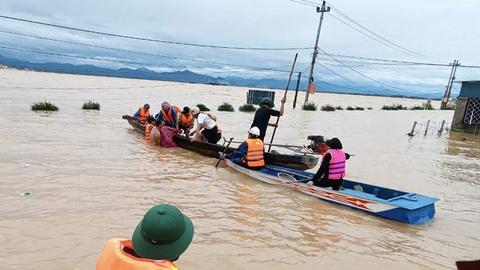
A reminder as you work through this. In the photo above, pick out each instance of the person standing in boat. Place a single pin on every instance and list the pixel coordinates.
(168, 115)
(249, 154)
(142, 114)
(185, 121)
(157, 242)
(262, 115)
(332, 169)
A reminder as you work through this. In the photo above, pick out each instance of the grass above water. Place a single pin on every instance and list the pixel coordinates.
(327, 108)
(91, 105)
(44, 106)
(226, 107)
(203, 108)
(394, 107)
(247, 108)
(309, 106)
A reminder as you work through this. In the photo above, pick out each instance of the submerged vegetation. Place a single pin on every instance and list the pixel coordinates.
(203, 108)
(394, 107)
(327, 108)
(91, 105)
(44, 106)
(226, 107)
(309, 106)
(350, 108)
(425, 106)
(247, 108)
(359, 108)
(340, 108)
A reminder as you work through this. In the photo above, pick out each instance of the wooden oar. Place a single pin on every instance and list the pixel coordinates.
(224, 151)
(284, 96)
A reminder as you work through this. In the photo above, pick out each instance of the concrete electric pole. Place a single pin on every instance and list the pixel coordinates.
(448, 90)
(322, 11)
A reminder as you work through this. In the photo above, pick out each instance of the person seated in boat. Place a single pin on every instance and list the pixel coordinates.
(149, 126)
(332, 169)
(157, 242)
(263, 113)
(168, 115)
(249, 154)
(207, 129)
(142, 114)
(185, 121)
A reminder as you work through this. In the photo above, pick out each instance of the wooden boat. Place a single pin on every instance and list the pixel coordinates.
(299, 162)
(388, 203)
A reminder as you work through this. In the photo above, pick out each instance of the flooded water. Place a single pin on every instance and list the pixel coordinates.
(91, 177)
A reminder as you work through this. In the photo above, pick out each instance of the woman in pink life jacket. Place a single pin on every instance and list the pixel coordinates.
(332, 169)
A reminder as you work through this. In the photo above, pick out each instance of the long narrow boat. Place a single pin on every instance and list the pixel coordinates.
(299, 162)
(388, 203)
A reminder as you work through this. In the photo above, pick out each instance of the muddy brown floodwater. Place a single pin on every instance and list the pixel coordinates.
(91, 177)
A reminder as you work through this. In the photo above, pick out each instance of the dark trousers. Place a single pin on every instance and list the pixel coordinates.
(333, 183)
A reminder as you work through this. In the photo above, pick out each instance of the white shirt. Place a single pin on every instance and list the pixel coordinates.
(206, 121)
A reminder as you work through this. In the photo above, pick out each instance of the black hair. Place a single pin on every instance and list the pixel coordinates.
(334, 143)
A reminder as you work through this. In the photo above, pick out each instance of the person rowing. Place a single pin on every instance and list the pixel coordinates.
(167, 115)
(157, 242)
(249, 154)
(262, 116)
(332, 170)
(142, 114)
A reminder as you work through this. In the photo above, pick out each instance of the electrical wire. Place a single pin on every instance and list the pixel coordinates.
(152, 39)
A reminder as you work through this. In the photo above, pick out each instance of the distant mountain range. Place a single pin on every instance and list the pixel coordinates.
(191, 77)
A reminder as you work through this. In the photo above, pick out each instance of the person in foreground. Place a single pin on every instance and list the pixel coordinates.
(207, 129)
(262, 116)
(142, 114)
(167, 115)
(250, 153)
(158, 241)
(332, 169)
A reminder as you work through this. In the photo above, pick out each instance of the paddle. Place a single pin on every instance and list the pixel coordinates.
(284, 96)
(224, 151)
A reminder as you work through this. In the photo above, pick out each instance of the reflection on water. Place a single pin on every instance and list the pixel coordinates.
(91, 177)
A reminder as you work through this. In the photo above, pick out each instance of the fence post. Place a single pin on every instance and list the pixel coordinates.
(411, 134)
(441, 128)
(426, 128)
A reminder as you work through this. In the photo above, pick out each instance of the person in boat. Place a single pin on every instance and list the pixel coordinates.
(249, 154)
(263, 113)
(168, 115)
(157, 242)
(207, 129)
(142, 114)
(332, 169)
(149, 126)
(185, 121)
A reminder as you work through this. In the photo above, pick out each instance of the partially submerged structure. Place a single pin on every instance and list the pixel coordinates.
(467, 111)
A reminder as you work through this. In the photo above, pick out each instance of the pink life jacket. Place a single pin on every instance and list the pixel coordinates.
(337, 164)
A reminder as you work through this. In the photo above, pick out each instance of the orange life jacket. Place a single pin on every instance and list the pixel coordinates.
(186, 120)
(168, 116)
(143, 115)
(148, 129)
(254, 156)
(114, 257)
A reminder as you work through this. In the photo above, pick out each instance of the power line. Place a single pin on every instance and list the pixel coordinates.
(361, 74)
(152, 39)
(142, 53)
(335, 73)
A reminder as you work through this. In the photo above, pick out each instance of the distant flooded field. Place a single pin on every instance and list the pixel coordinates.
(90, 177)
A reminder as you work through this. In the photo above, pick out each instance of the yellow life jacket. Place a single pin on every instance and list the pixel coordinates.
(254, 156)
(115, 257)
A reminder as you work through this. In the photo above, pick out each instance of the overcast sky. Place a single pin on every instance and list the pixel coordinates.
(440, 30)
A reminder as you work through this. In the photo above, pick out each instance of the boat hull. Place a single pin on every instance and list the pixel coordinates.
(370, 203)
(298, 162)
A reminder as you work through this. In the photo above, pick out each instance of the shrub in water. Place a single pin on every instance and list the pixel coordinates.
(247, 108)
(359, 108)
(90, 105)
(340, 108)
(44, 106)
(350, 108)
(203, 108)
(309, 106)
(327, 108)
(226, 107)
(417, 107)
(394, 107)
(369, 108)
(428, 105)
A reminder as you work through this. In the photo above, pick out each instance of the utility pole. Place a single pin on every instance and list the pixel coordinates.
(448, 90)
(322, 11)
(296, 89)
